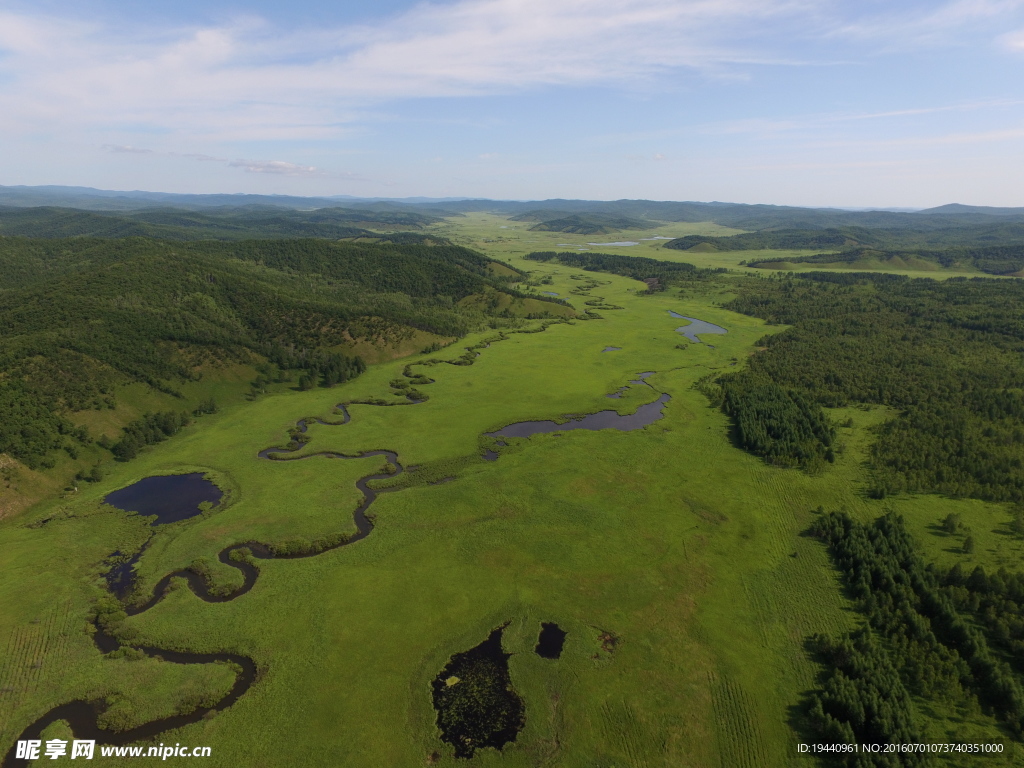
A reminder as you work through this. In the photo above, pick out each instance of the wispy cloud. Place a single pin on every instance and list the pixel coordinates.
(214, 87)
(927, 23)
(250, 80)
(1013, 41)
(815, 122)
(278, 167)
(128, 150)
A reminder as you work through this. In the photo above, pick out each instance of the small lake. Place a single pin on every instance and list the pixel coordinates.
(657, 237)
(696, 327)
(611, 349)
(551, 640)
(549, 293)
(644, 415)
(170, 497)
(624, 242)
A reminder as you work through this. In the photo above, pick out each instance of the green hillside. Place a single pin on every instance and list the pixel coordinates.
(591, 224)
(218, 223)
(81, 318)
(993, 259)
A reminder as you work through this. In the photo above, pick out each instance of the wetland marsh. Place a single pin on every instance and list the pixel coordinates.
(673, 562)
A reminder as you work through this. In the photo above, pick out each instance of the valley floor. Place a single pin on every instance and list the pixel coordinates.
(676, 562)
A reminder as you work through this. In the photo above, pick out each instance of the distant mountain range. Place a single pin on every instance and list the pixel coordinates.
(740, 216)
(957, 208)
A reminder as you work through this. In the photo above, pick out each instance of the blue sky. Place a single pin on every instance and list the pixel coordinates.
(802, 102)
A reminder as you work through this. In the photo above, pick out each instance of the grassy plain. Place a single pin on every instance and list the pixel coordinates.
(684, 548)
(498, 235)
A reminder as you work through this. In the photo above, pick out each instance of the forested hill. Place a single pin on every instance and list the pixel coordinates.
(837, 238)
(778, 239)
(79, 317)
(947, 356)
(657, 274)
(218, 223)
(993, 259)
(590, 224)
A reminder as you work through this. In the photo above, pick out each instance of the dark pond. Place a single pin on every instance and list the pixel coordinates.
(611, 349)
(549, 293)
(551, 640)
(644, 415)
(696, 327)
(474, 699)
(170, 497)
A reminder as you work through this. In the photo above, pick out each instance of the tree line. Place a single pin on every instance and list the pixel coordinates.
(992, 259)
(918, 640)
(949, 356)
(657, 274)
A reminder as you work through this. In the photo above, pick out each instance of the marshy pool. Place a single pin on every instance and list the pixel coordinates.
(644, 415)
(170, 497)
(696, 327)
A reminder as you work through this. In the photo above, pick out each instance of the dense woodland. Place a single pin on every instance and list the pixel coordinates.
(957, 241)
(779, 239)
(941, 636)
(80, 317)
(948, 356)
(591, 224)
(657, 274)
(992, 259)
(785, 426)
(225, 223)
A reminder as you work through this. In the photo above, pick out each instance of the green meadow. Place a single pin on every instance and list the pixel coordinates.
(675, 561)
(506, 239)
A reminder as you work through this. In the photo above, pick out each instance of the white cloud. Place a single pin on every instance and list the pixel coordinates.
(1013, 41)
(250, 81)
(127, 149)
(278, 167)
(929, 24)
(274, 166)
(814, 124)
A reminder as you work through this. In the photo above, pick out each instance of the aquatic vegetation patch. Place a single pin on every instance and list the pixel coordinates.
(476, 704)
